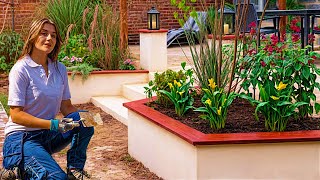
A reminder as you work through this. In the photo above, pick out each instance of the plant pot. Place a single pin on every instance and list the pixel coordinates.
(103, 83)
(173, 150)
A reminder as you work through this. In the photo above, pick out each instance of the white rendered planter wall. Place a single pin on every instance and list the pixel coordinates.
(103, 83)
(173, 150)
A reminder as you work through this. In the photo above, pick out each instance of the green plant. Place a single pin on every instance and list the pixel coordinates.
(216, 103)
(148, 90)
(128, 64)
(161, 81)
(11, 45)
(66, 13)
(104, 37)
(84, 69)
(283, 61)
(74, 47)
(276, 104)
(4, 102)
(212, 60)
(179, 92)
(76, 56)
(99, 23)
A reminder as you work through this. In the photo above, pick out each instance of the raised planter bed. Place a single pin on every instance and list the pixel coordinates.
(104, 83)
(175, 151)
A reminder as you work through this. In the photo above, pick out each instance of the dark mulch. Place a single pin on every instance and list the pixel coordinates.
(240, 119)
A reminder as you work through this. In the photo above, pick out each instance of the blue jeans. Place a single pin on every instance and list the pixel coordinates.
(38, 146)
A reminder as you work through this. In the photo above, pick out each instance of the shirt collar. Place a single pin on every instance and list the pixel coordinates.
(31, 63)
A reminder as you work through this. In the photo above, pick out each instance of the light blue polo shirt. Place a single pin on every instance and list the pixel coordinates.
(38, 94)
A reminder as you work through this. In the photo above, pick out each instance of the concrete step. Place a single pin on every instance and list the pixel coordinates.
(134, 91)
(113, 106)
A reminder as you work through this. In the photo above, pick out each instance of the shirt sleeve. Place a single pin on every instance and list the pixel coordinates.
(66, 91)
(18, 83)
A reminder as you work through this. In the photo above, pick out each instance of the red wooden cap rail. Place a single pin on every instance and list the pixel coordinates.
(198, 138)
(226, 37)
(152, 31)
(115, 71)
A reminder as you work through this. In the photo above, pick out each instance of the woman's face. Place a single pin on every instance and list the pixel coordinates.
(47, 39)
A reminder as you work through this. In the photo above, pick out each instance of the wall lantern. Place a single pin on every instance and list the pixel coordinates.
(153, 19)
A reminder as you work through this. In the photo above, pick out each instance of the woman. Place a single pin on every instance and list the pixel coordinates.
(38, 89)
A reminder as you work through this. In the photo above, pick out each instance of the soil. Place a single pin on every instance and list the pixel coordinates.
(240, 119)
(107, 154)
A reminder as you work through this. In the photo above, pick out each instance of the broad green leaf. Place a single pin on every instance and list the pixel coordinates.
(305, 72)
(317, 85)
(183, 65)
(297, 67)
(283, 103)
(317, 107)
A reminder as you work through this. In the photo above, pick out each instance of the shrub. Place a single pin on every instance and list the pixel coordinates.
(128, 64)
(11, 45)
(179, 93)
(161, 81)
(65, 13)
(76, 57)
(283, 61)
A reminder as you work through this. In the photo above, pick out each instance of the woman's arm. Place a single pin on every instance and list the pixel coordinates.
(67, 107)
(20, 117)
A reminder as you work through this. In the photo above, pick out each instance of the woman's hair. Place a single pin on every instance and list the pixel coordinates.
(34, 31)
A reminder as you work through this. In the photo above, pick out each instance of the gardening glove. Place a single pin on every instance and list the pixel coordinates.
(76, 116)
(64, 125)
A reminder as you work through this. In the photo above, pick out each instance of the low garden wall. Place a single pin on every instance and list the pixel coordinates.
(103, 83)
(175, 151)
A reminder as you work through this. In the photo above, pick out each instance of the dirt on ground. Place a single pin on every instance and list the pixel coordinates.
(107, 154)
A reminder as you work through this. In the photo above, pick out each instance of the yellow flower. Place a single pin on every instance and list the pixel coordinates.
(224, 101)
(181, 93)
(208, 101)
(281, 86)
(219, 111)
(176, 83)
(212, 84)
(170, 85)
(275, 98)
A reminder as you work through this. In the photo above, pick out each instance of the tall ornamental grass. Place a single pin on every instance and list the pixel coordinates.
(67, 12)
(104, 37)
(99, 22)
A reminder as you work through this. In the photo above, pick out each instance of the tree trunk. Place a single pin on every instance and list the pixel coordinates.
(283, 19)
(123, 24)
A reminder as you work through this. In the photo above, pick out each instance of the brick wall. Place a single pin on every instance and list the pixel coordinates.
(25, 10)
(137, 15)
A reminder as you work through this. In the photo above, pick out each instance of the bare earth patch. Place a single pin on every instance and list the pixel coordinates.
(108, 156)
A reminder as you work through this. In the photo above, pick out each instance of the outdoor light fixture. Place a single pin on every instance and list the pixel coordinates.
(153, 19)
